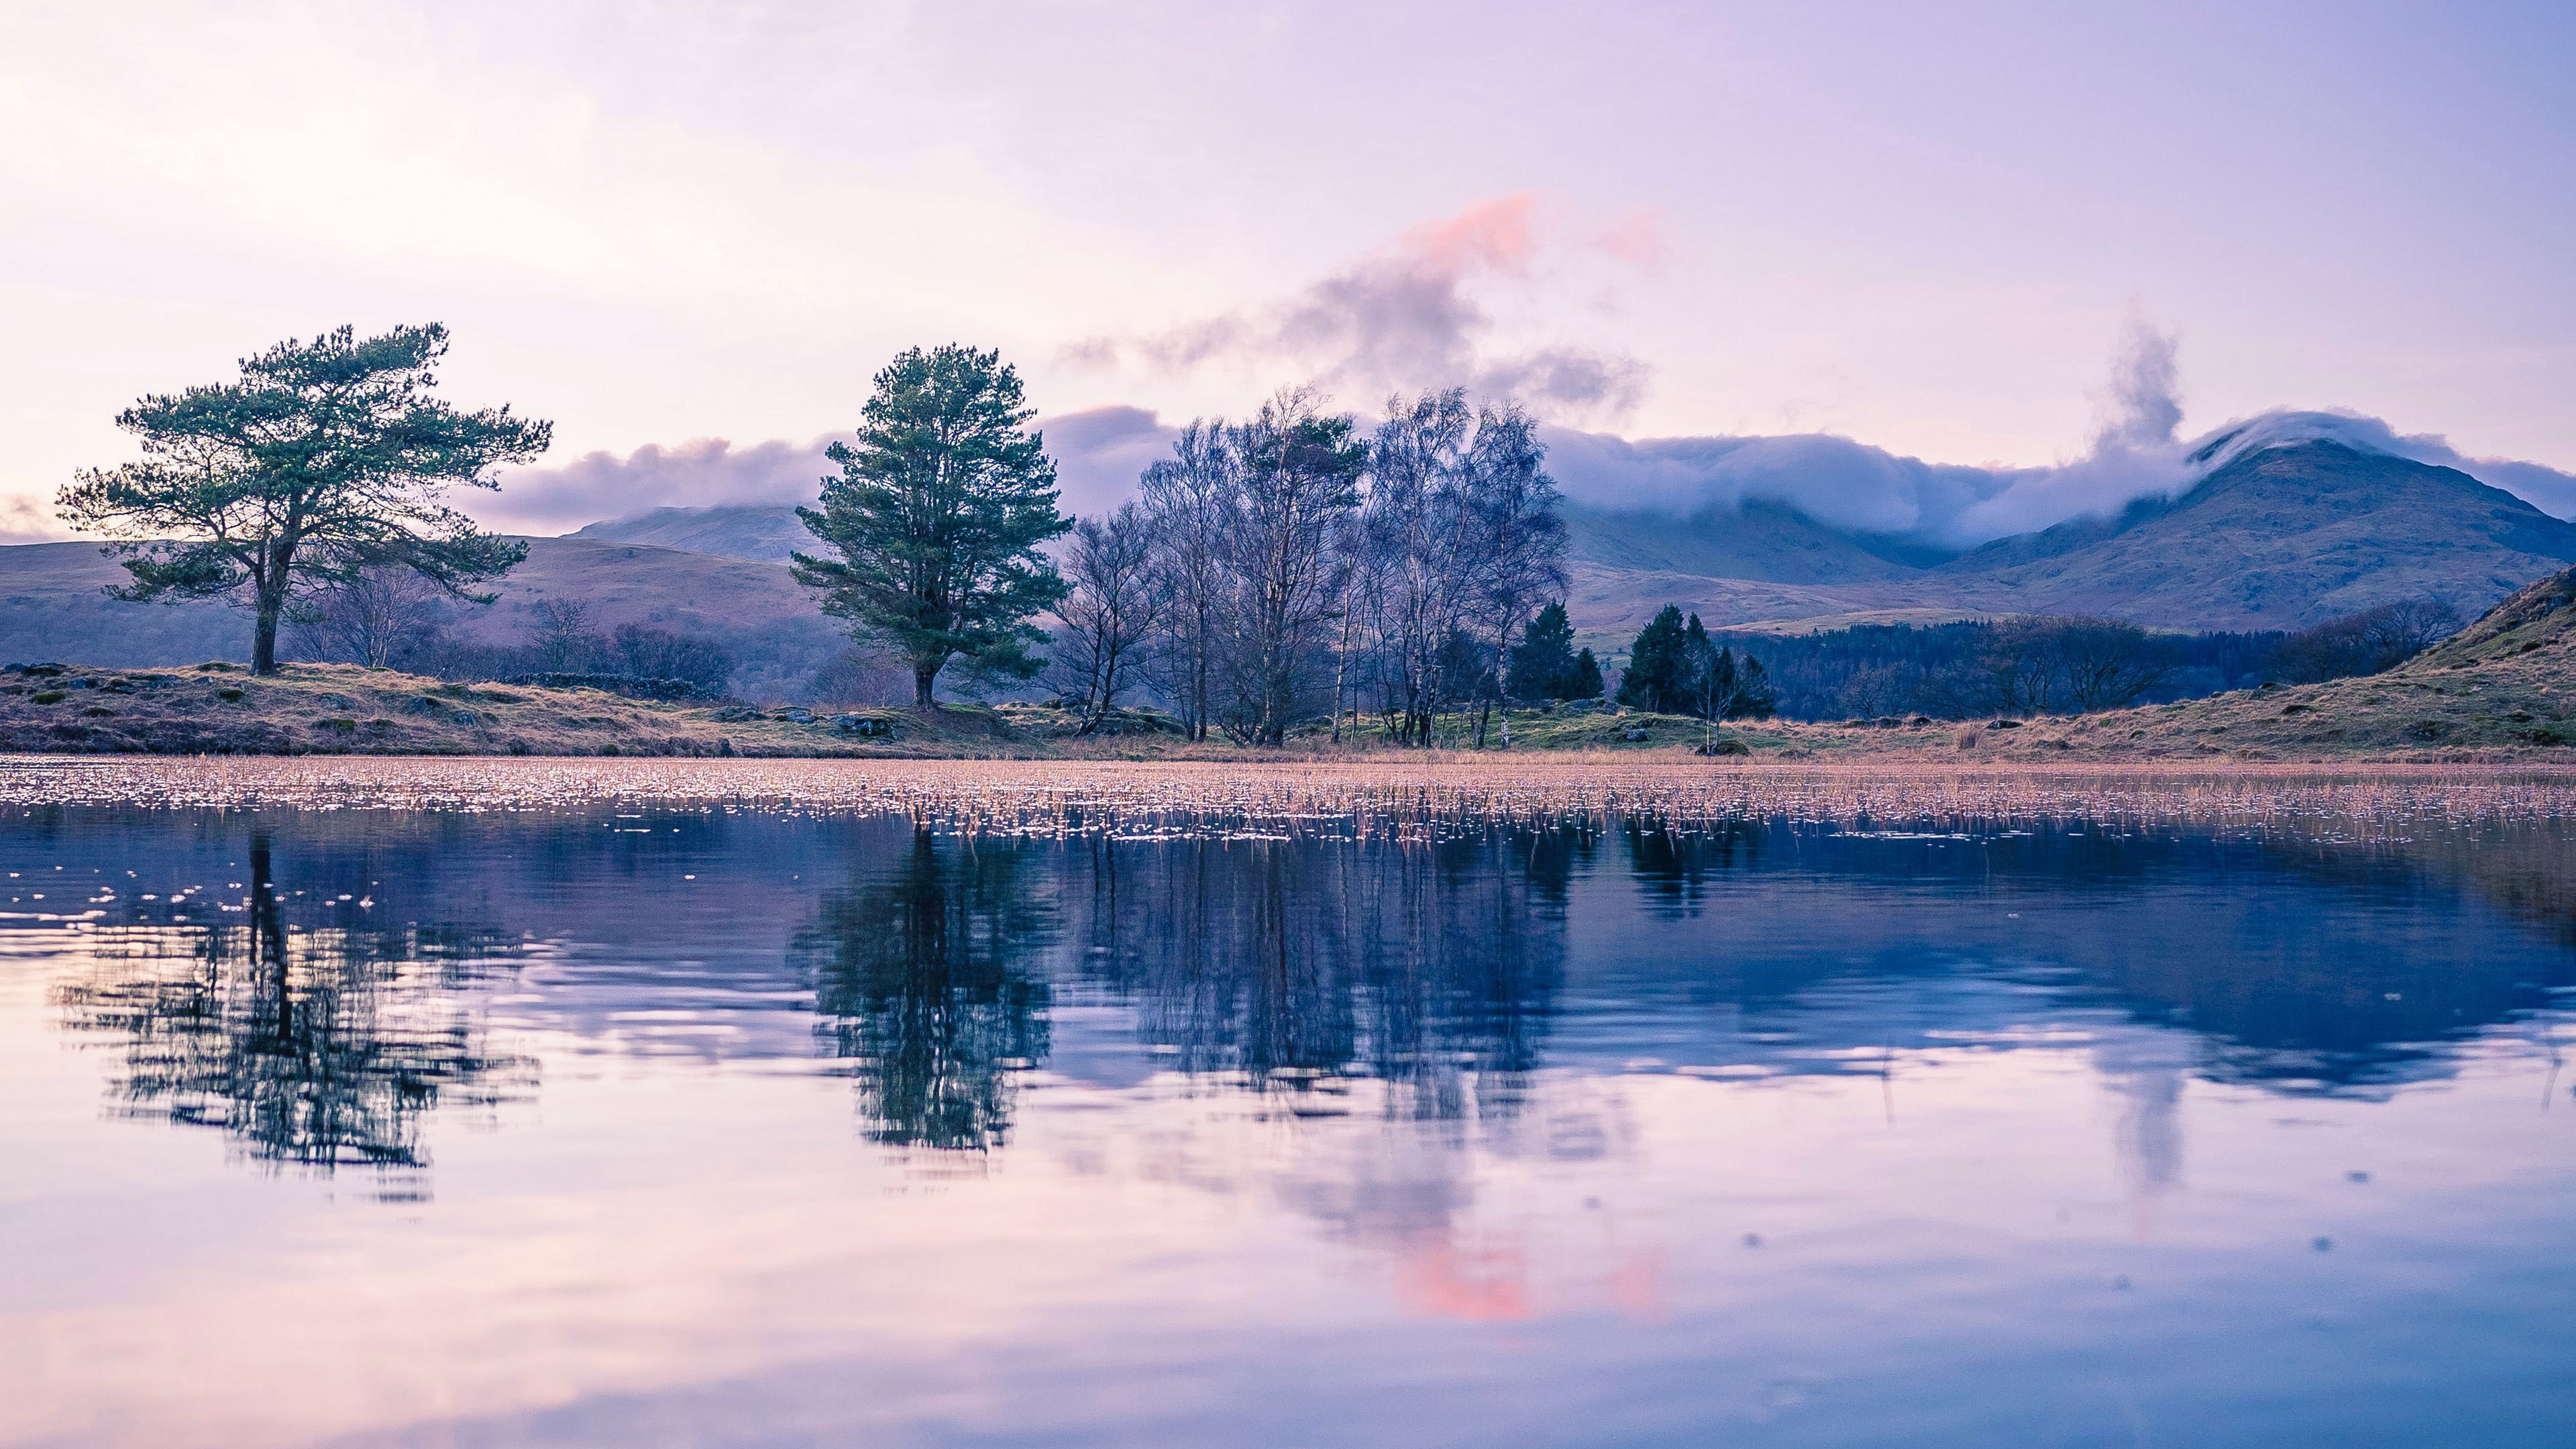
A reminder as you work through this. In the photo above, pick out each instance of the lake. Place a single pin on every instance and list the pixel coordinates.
(612, 1103)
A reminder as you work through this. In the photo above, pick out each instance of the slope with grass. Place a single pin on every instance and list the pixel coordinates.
(344, 709)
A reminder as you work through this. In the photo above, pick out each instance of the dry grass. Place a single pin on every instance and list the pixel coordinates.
(1411, 798)
(2503, 691)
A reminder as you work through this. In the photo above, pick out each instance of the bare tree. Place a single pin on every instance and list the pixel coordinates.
(561, 638)
(1416, 563)
(1190, 503)
(1113, 606)
(1518, 533)
(1461, 536)
(2373, 640)
(2104, 663)
(1300, 471)
(371, 615)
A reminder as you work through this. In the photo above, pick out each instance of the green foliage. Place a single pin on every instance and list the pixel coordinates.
(324, 458)
(1544, 664)
(1675, 667)
(937, 516)
(1587, 683)
(1656, 664)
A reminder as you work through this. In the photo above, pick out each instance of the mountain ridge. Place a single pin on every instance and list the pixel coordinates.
(2279, 537)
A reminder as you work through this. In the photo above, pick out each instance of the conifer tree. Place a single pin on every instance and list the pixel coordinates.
(937, 515)
(324, 460)
(1543, 663)
(1656, 663)
(1587, 682)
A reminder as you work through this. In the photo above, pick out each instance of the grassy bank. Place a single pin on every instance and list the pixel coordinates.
(2505, 688)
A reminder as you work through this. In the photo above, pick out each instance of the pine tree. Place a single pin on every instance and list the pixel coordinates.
(1653, 680)
(1586, 682)
(325, 460)
(1543, 664)
(937, 516)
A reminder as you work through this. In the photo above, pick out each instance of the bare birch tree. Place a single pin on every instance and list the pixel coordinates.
(1190, 500)
(1113, 606)
(1300, 471)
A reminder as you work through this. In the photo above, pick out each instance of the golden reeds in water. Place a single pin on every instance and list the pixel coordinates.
(1376, 800)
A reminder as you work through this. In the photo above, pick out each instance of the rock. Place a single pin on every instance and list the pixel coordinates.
(1634, 736)
(794, 714)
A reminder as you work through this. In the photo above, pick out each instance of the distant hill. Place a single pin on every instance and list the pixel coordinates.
(52, 607)
(2279, 538)
(2282, 538)
(765, 531)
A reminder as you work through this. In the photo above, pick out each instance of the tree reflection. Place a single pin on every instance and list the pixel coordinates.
(320, 1045)
(1430, 967)
(1672, 866)
(924, 980)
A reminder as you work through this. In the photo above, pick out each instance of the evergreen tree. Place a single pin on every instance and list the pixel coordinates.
(1586, 682)
(325, 460)
(1543, 664)
(937, 516)
(1656, 663)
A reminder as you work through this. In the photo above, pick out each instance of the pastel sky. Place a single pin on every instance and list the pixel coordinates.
(1924, 227)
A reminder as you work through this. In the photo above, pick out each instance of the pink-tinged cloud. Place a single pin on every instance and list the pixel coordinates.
(1636, 238)
(1413, 316)
(1498, 235)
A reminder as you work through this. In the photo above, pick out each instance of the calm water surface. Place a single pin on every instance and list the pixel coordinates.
(633, 1125)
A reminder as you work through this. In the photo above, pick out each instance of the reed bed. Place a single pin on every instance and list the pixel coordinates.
(1405, 800)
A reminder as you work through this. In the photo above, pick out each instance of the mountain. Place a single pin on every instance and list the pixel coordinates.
(764, 531)
(2279, 538)
(2282, 538)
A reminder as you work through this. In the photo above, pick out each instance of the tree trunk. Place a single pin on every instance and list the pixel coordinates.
(263, 638)
(922, 677)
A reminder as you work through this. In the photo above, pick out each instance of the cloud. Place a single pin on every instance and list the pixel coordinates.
(1835, 480)
(695, 474)
(1412, 317)
(22, 521)
(1098, 454)
(2137, 452)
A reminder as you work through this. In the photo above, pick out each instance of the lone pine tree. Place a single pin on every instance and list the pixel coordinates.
(937, 515)
(323, 460)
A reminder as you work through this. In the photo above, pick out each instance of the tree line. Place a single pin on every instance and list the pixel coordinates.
(2037, 665)
(1279, 569)
(1292, 568)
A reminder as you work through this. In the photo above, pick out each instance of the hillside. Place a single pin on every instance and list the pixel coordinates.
(2282, 538)
(52, 605)
(766, 532)
(341, 709)
(2277, 539)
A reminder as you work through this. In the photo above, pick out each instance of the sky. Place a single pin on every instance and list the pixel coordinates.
(1952, 234)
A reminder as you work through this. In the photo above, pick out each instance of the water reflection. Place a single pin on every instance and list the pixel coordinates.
(932, 968)
(318, 1044)
(1430, 968)
(1769, 1133)
(924, 978)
